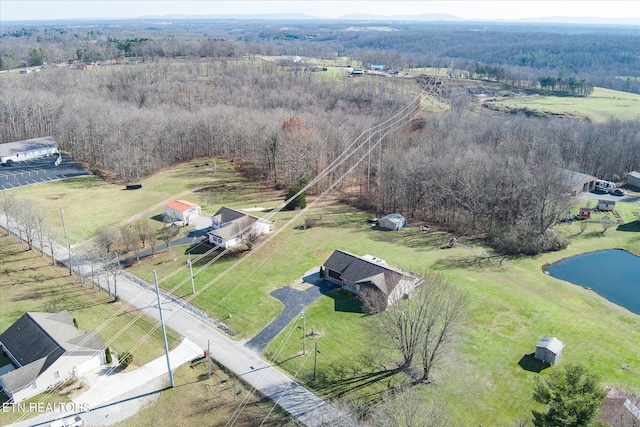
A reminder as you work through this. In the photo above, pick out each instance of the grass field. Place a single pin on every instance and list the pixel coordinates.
(90, 203)
(513, 304)
(600, 106)
(202, 401)
(28, 282)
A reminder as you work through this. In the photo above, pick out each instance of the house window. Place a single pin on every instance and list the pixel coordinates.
(56, 375)
(33, 385)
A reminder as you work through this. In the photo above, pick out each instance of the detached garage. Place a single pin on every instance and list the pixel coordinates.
(181, 210)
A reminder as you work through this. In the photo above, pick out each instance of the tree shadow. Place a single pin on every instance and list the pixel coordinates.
(630, 226)
(473, 262)
(531, 364)
(343, 386)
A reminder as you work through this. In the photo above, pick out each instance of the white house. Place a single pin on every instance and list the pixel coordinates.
(19, 151)
(358, 274)
(181, 210)
(549, 350)
(45, 349)
(229, 227)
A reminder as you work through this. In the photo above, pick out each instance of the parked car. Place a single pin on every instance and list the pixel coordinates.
(617, 192)
(8, 163)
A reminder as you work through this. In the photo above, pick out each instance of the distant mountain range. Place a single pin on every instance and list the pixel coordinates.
(431, 17)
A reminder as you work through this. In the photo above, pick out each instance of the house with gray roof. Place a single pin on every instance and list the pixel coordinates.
(45, 349)
(369, 274)
(229, 227)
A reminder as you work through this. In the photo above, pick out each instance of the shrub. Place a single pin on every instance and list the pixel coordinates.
(523, 239)
(309, 222)
(298, 202)
(107, 356)
(125, 359)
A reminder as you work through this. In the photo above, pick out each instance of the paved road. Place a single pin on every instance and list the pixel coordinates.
(292, 397)
(294, 300)
(39, 170)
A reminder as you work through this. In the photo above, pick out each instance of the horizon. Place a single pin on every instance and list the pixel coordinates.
(468, 10)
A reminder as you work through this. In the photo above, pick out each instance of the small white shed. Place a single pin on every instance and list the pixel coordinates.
(549, 350)
(606, 205)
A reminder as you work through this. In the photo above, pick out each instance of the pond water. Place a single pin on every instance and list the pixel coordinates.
(613, 274)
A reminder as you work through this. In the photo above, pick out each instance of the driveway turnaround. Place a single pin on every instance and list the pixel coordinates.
(303, 405)
(294, 301)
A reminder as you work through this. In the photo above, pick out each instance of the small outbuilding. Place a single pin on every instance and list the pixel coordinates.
(181, 210)
(606, 205)
(633, 178)
(393, 222)
(549, 350)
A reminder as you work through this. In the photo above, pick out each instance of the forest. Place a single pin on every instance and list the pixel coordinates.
(189, 97)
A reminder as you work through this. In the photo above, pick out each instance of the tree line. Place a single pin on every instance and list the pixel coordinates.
(477, 173)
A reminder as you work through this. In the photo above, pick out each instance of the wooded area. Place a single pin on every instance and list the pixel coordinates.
(471, 172)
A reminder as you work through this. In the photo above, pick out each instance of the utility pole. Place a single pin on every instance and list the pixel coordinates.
(164, 332)
(304, 331)
(208, 359)
(68, 241)
(193, 288)
(369, 160)
(315, 359)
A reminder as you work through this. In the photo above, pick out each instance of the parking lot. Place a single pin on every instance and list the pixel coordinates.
(39, 170)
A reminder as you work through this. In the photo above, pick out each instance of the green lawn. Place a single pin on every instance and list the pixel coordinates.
(90, 203)
(28, 282)
(201, 401)
(513, 304)
(600, 106)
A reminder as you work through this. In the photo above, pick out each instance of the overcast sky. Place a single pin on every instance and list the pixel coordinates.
(12, 10)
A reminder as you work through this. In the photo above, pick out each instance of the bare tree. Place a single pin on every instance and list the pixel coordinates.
(107, 237)
(446, 309)
(423, 325)
(405, 408)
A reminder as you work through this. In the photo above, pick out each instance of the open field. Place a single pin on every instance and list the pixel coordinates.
(513, 304)
(198, 401)
(600, 106)
(28, 282)
(90, 203)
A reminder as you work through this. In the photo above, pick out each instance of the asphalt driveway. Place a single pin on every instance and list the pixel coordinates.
(294, 300)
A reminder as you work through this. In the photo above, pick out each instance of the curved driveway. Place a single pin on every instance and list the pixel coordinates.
(294, 301)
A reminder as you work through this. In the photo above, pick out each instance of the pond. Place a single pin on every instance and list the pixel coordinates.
(613, 274)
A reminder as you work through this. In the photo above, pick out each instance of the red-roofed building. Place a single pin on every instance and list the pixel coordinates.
(181, 210)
